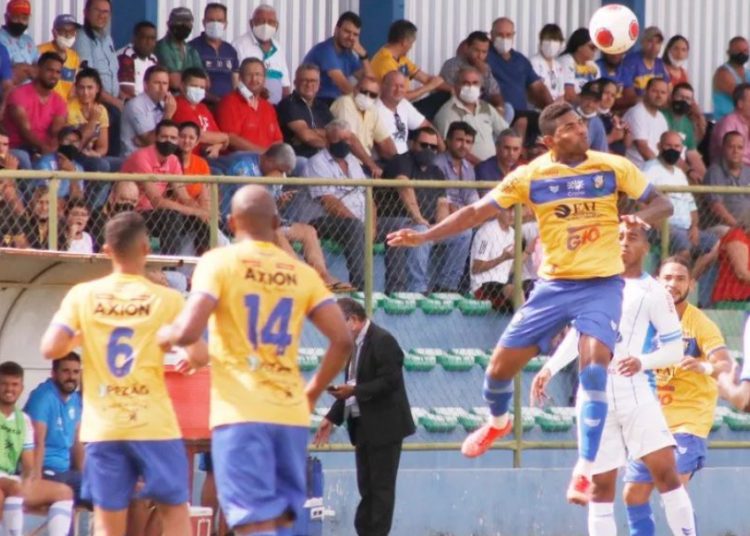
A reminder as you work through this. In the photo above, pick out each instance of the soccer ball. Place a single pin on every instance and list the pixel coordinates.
(613, 28)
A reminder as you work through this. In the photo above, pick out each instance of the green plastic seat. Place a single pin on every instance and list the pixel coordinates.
(332, 246)
(733, 305)
(435, 307)
(456, 363)
(438, 424)
(414, 297)
(297, 247)
(551, 422)
(564, 411)
(479, 356)
(471, 307)
(453, 411)
(738, 422)
(718, 421)
(378, 248)
(535, 364)
(452, 297)
(377, 298)
(309, 358)
(315, 421)
(419, 362)
(470, 421)
(417, 413)
(394, 306)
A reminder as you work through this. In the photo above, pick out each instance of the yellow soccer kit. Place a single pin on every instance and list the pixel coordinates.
(124, 394)
(576, 208)
(262, 298)
(384, 62)
(688, 398)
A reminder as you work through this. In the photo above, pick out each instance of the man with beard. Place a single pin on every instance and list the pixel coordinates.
(36, 113)
(55, 411)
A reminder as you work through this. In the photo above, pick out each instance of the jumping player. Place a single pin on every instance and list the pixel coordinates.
(573, 193)
(687, 392)
(635, 427)
(128, 422)
(257, 297)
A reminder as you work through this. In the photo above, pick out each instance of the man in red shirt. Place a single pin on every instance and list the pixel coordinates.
(191, 108)
(248, 117)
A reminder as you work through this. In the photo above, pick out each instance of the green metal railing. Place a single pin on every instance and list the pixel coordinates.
(518, 444)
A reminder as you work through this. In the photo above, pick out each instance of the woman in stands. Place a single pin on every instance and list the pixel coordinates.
(675, 56)
(733, 281)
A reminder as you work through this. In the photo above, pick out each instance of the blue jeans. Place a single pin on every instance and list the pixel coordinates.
(449, 262)
(406, 269)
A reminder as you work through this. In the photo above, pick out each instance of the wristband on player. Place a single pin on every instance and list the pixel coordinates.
(707, 368)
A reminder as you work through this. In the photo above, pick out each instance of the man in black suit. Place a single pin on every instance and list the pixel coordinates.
(374, 404)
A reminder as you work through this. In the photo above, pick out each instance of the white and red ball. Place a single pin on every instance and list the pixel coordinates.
(613, 28)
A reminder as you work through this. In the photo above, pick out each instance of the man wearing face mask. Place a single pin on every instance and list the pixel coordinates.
(143, 113)
(588, 107)
(517, 78)
(686, 239)
(167, 218)
(476, 49)
(66, 158)
(173, 51)
(684, 116)
(545, 64)
(20, 45)
(191, 108)
(480, 115)
(64, 32)
(259, 43)
(219, 57)
(360, 111)
(730, 75)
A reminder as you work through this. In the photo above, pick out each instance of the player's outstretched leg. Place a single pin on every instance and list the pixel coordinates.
(498, 393)
(601, 515)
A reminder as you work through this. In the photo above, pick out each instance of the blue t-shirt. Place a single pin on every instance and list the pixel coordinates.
(325, 56)
(218, 64)
(48, 162)
(488, 170)
(597, 135)
(21, 49)
(619, 77)
(514, 77)
(6, 65)
(243, 164)
(62, 417)
(638, 74)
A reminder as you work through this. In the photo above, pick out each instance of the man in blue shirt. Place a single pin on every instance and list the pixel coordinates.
(517, 78)
(219, 57)
(339, 58)
(642, 66)
(55, 411)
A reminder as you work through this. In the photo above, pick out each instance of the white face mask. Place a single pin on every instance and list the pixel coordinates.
(65, 42)
(469, 94)
(584, 114)
(245, 91)
(550, 49)
(503, 45)
(195, 94)
(215, 30)
(264, 32)
(677, 63)
(364, 102)
(604, 111)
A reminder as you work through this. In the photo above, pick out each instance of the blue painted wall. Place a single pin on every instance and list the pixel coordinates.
(378, 16)
(126, 14)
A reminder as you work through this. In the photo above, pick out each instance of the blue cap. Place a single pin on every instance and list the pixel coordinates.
(64, 20)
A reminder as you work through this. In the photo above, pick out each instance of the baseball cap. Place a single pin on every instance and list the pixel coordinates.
(651, 32)
(64, 20)
(180, 15)
(18, 7)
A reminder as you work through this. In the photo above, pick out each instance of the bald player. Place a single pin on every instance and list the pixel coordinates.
(128, 423)
(254, 298)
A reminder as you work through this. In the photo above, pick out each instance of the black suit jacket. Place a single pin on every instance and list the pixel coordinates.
(384, 411)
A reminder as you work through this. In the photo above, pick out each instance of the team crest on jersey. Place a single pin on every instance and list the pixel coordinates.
(599, 182)
(576, 184)
(554, 188)
(518, 317)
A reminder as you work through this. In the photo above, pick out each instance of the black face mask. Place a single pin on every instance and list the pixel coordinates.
(122, 207)
(16, 29)
(70, 152)
(739, 59)
(181, 32)
(680, 107)
(166, 148)
(424, 157)
(340, 149)
(670, 156)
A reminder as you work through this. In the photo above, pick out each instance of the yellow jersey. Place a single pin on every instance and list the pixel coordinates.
(124, 393)
(383, 62)
(576, 209)
(262, 298)
(688, 398)
(64, 86)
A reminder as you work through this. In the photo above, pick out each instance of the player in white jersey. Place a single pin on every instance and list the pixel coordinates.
(734, 386)
(650, 336)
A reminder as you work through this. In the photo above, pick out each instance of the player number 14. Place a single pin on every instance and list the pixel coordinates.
(275, 331)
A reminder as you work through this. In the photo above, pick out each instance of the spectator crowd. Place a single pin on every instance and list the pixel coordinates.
(179, 106)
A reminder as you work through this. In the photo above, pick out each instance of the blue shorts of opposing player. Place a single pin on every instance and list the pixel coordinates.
(593, 305)
(690, 455)
(260, 471)
(113, 468)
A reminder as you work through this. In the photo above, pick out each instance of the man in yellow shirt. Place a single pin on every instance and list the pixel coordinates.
(573, 193)
(128, 421)
(254, 298)
(687, 391)
(393, 57)
(64, 32)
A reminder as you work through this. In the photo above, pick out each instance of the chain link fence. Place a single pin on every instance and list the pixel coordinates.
(447, 303)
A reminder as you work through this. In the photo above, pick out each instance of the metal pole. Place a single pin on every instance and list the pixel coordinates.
(517, 303)
(52, 221)
(665, 239)
(213, 224)
(369, 242)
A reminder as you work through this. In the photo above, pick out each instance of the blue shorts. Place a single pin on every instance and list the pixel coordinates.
(70, 478)
(593, 305)
(205, 463)
(690, 456)
(113, 468)
(260, 471)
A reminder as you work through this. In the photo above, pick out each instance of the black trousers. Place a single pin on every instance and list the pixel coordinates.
(377, 468)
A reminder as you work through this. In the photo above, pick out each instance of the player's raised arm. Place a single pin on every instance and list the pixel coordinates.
(657, 206)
